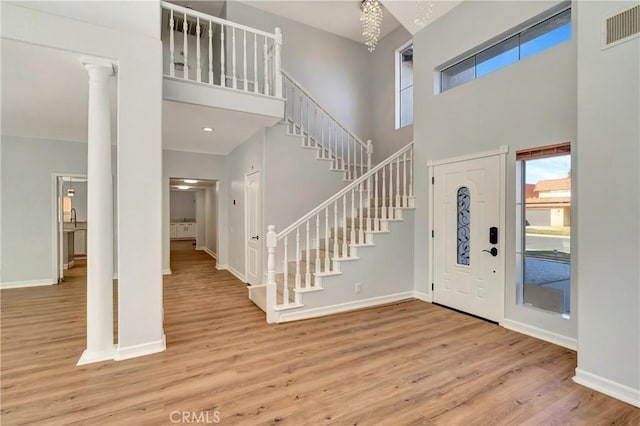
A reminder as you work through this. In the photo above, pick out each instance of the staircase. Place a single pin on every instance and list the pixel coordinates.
(325, 245)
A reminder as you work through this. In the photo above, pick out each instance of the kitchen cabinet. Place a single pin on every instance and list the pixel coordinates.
(184, 230)
(173, 232)
(80, 242)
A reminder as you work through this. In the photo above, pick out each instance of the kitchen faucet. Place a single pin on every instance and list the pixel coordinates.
(74, 219)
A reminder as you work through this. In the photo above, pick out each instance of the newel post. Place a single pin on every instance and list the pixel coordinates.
(272, 242)
(369, 153)
(277, 64)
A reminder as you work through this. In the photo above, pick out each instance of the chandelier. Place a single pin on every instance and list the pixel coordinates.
(425, 10)
(371, 18)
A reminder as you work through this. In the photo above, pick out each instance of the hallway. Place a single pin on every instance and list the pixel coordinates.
(405, 363)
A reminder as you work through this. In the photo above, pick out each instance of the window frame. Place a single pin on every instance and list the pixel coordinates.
(516, 32)
(397, 88)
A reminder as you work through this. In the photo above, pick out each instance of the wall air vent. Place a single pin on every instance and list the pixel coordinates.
(621, 27)
(178, 22)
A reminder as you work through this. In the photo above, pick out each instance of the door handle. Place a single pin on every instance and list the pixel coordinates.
(493, 251)
(257, 237)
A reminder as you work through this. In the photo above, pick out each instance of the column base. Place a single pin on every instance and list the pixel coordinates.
(127, 352)
(90, 357)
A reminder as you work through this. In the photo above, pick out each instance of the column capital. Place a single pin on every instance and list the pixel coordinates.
(104, 66)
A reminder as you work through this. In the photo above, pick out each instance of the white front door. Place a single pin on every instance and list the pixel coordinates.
(467, 255)
(253, 229)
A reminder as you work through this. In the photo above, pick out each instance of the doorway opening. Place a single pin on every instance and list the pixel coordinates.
(193, 214)
(71, 226)
(544, 228)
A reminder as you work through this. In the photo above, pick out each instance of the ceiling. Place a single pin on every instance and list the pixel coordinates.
(45, 93)
(406, 12)
(338, 17)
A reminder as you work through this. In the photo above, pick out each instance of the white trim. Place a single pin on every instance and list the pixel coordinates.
(92, 357)
(115, 276)
(344, 307)
(425, 297)
(539, 333)
(167, 272)
(208, 251)
(142, 349)
(504, 149)
(231, 269)
(396, 86)
(608, 387)
(23, 284)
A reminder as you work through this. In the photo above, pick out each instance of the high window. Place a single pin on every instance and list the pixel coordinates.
(548, 32)
(404, 86)
(543, 243)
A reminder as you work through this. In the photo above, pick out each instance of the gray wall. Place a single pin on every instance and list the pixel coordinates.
(179, 164)
(530, 103)
(211, 218)
(386, 138)
(79, 200)
(335, 70)
(183, 205)
(245, 158)
(608, 226)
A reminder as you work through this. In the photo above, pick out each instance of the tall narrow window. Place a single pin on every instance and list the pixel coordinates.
(404, 93)
(464, 225)
(544, 222)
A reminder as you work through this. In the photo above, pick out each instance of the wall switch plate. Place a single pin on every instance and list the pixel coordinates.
(358, 288)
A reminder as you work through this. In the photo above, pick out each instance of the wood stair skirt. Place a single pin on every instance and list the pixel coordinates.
(318, 272)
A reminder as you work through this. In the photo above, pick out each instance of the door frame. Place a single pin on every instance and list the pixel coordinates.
(57, 271)
(246, 226)
(431, 164)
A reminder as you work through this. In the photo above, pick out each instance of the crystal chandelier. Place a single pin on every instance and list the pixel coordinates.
(371, 18)
(425, 11)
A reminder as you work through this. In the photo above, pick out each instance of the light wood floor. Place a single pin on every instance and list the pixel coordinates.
(406, 363)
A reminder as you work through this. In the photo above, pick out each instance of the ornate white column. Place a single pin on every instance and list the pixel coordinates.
(100, 345)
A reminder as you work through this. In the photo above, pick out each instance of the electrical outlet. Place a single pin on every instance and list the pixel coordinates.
(358, 287)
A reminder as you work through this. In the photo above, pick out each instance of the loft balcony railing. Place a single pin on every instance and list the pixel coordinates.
(209, 50)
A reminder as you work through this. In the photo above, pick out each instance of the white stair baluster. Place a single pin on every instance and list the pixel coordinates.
(404, 180)
(172, 64)
(265, 58)
(345, 246)
(315, 126)
(285, 268)
(330, 141)
(298, 284)
(210, 52)
(376, 209)
(360, 220)
(307, 275)
(223, 77)
(411, 173)
(198, 65)
(369, 220)
(185, 48)
(316, 283)
(353, 217)
(255, 63)
(398, 181)
(342, 157)
(326, 240)
(244, 62)
(234, 74)
(301, 116)
(321, 135)
(336, 231)
(383, 210)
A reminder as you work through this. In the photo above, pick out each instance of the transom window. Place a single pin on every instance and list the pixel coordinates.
(547, 33)
(404, 90)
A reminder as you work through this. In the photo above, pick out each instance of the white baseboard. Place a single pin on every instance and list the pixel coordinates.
(143, 349)
(343, 307)
(539, 333)
(231, 269)
(608, 387)
(167, 272)
(425, 297)
(22, 284)
(93, 357)
(115, 275)
(208, 251)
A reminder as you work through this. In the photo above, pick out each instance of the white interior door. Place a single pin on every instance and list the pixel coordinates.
(254, 238)
(466, 206)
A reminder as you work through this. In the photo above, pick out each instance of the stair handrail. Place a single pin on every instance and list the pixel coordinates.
(320, 107)
(345, 190)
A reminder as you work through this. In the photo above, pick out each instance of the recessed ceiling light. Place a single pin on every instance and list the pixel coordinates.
(183, 187)
(208, 129)
(190, 181)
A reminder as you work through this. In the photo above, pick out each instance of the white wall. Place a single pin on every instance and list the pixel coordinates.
(334, 69)
(179, 164)
(245, 158)
(386, 138)
(183, 205)
(28, 229)
(135, 45)
(527, 104)
(609, 207)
